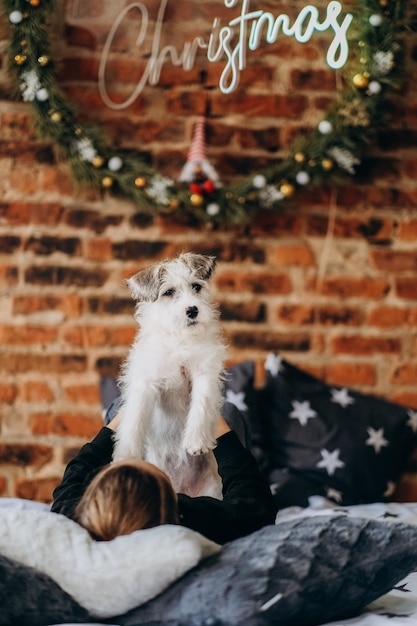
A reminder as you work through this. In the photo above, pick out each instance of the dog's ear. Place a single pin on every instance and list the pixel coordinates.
(144, 286)
(201, 264)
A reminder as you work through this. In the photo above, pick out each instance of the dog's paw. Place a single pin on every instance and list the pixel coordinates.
(195, 448)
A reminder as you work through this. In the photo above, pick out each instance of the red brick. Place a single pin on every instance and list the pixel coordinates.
(372, 229)
(43, 363)
(301, 256)
(393, 261)
(16, 125)
(408, 230)
(275, 224)
(75, 424)
(365, 345)
(22, 454)
(83, 393)
(38, 489)
(70, 304)
(8, 392)
(406, 398)
(310, 314)
(97, 336)
(348, 287)
(343, 373)
(322, 80)
(31, 213)
(8, 275)
(99, 250)
(27, 335)
(406, 288)
(387, 316)
(36, 391)
(405, 374)
(257, 283)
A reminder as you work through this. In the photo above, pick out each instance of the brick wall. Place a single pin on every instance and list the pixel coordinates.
(331, 282)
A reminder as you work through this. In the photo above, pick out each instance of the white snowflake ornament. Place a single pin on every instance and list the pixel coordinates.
(86, 150)
(158, 189)
(269, 195)
(30, 85)
(344, 159)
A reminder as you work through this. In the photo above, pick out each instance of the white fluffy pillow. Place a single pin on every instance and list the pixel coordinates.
(107, 578)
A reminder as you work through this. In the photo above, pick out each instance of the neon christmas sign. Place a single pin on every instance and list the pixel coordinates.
(243, 33)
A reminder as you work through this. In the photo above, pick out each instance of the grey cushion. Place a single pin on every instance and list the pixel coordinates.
(302, 572)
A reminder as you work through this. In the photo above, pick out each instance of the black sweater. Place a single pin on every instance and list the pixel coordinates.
(247, 503)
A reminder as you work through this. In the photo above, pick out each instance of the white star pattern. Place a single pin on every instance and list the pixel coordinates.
(330, 461)
(342, 397)
(237, 398)
(273, 364)
(302, 411)
(376, 439)
(412, 421)
(391, 486)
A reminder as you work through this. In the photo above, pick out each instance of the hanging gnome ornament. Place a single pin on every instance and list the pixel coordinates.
(200, 175)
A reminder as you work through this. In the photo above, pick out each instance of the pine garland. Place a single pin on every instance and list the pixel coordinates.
(327, 153)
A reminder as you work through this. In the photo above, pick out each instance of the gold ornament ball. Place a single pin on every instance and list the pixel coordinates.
(196, 199)
(327, 164)
(20, 59)
(299, 157)
(140, 182)
(174, 203)
(56, 116)
(34, 3)
(97, 161)
(107, 182)
(361, 81)
(43, 60)
(287, 190)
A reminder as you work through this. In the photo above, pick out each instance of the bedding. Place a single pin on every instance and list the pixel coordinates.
(142, 564)
(339, 554)
(317, 565)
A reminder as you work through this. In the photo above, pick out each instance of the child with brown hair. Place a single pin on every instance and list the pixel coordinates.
(113, 499)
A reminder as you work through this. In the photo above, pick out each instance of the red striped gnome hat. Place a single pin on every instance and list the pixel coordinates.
(197, 159)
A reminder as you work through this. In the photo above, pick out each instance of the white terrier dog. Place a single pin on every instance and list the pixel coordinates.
(172, 380)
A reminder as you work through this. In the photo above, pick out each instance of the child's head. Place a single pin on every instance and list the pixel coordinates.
(127, 496)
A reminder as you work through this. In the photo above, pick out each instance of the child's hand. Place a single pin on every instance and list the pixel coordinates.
(113, 424)
(221, 428)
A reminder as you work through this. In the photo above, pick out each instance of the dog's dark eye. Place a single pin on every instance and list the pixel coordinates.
(169, 292)
(196, 287)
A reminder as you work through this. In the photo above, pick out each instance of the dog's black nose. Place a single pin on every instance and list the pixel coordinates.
(192, 312)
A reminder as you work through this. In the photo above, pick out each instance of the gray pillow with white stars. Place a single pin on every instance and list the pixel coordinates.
(332, 441)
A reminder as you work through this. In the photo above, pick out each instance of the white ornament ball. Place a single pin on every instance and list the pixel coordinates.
(259, 181)
(325, 127)
(302, 178)
(374, 87)
(42, 95)
(375, 20)
(115, 163)
(213, 209)
(16, 17)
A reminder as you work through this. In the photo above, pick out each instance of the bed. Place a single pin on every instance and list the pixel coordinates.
(340, 553)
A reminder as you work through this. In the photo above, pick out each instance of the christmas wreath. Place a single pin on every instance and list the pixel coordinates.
(327, 153)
